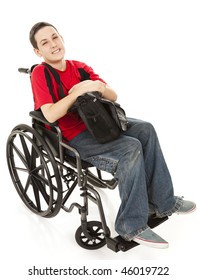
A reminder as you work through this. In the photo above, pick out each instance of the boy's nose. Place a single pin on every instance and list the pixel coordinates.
(53, 44)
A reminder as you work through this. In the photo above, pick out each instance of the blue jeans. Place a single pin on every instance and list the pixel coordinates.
(144, 181)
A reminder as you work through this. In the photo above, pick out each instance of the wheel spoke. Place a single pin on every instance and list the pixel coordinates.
(21, 169)
(41, 178)
(39, 187)
(25, 149)
(99, 238)
(27, 185)
(37, 196)
(21, 156)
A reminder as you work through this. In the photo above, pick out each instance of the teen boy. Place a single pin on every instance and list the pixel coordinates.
(135, 158)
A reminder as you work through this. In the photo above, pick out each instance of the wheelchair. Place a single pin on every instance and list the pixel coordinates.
(45, 176)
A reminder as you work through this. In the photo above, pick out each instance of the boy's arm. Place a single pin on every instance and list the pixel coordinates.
(54, 111)
(88, 86)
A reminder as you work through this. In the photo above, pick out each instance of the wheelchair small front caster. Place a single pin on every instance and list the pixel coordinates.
(95, 231)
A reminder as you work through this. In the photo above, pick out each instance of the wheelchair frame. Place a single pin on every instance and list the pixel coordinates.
(45, 177)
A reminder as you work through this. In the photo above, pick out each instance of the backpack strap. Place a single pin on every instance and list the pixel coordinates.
(83, 74)
(57, 79)
(48, 79)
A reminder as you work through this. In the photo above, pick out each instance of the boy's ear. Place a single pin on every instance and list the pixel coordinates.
(37, 52)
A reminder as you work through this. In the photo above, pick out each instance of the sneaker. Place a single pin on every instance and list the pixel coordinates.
(187, 207)
(151, 239)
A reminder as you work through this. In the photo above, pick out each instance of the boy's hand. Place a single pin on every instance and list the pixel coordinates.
(87, 86)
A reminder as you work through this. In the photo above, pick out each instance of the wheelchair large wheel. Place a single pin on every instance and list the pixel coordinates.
(34, 171)
(96, 239)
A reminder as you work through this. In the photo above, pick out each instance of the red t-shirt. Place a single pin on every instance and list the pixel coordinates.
(70, 124)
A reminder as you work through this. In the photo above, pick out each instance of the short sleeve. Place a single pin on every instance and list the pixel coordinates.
(40, 89)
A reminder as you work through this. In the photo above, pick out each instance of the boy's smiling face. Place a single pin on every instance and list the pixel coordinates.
(50, 45)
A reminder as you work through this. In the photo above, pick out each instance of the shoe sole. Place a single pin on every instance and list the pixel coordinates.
(148, 243)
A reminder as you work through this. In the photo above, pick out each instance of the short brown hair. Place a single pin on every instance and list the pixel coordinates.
(35, 28)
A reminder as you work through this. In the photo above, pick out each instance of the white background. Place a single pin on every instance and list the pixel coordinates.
(146, 50)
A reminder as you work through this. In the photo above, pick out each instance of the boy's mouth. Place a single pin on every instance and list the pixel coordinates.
(56, 51)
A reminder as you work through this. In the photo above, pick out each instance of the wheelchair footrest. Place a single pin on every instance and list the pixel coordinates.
(154, 222)
(119, 244)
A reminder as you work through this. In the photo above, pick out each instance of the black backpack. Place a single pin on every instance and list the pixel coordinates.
(96, 116)
(104, 119)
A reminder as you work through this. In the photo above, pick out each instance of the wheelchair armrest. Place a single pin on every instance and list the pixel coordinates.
(37, 115)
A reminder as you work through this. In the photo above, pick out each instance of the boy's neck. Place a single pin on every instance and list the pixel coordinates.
(60, 65)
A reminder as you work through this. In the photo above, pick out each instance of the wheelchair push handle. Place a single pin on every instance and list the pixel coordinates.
(24, 70)
(27, 70)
